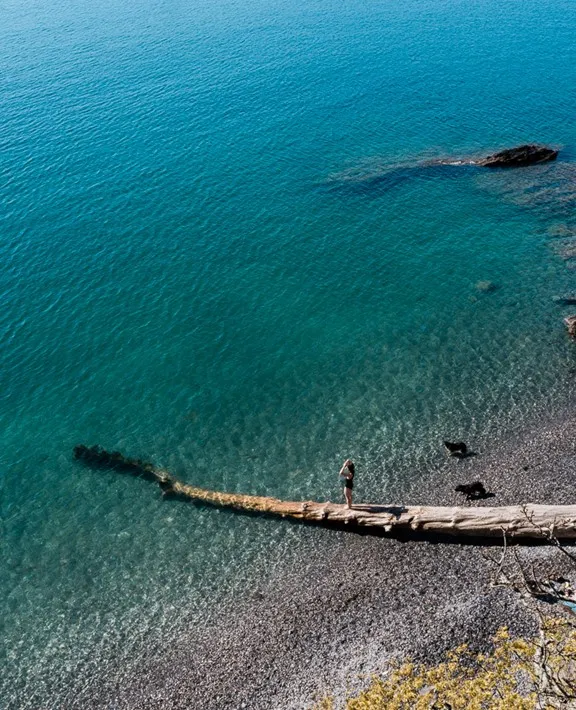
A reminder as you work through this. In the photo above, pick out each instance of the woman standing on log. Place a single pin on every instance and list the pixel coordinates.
(347, 475)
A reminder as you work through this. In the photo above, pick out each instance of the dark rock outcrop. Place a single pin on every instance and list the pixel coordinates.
(381, 177)
(519, 157)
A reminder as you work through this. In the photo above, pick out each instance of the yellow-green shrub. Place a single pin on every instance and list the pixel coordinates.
(518, 675)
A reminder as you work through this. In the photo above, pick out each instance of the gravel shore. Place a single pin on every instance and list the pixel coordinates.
(344, 615)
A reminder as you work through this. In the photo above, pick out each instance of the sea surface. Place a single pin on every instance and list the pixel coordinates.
(220, 251)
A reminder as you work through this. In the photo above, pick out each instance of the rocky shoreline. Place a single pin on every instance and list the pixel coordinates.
(345, 613)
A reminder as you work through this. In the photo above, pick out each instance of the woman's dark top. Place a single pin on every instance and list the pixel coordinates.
(349, 482)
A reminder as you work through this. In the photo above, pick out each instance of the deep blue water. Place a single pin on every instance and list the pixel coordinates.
(216, 256)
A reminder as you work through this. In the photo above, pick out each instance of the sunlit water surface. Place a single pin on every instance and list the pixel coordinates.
(216, 256)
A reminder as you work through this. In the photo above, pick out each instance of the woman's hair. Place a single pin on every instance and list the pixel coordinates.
(351, 467)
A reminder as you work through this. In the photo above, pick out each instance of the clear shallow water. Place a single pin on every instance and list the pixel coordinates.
(199, 268)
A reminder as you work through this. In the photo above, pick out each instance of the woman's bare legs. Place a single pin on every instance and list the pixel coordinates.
(348, 496)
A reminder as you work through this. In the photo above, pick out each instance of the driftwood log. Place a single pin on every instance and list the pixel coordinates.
(517, 521)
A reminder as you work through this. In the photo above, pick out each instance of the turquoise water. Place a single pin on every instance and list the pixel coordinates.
(213, 258)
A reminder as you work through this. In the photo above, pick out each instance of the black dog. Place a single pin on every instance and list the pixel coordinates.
(457, 448)
(473, 491)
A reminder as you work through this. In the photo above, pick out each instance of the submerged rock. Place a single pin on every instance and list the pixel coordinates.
(565, 248)
(486, 286)
(381, 177)
(571, 325)
(567, 299)
(560, 229)
(517, 157)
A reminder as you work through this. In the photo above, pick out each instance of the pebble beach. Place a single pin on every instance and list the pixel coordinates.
(328, 624)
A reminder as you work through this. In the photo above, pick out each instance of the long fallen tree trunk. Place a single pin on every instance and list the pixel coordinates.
(517, 521)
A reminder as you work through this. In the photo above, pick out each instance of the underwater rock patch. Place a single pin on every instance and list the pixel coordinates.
(566, 299)
(571, 325)
(486, 286)
(565, 248)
